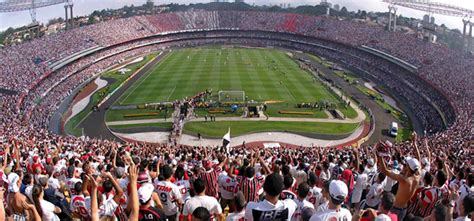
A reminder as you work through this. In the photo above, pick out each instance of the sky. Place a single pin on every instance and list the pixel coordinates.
(84, 7)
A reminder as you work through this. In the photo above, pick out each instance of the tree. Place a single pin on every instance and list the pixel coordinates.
(344, 12)
(91, 20)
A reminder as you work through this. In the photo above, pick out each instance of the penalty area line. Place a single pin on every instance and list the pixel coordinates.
(168, 99)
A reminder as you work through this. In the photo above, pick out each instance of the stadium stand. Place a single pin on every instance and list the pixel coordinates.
(436, 169)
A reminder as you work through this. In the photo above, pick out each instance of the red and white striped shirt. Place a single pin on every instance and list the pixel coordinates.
(211, 179)
(250, 187)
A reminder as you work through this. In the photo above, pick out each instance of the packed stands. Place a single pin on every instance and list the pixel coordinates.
(436, 170)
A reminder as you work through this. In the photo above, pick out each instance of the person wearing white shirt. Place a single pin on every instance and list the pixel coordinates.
(325, 173)
(71, 182)
(331, 164)
(271, 208)
(466, 207)
(337, 193)
(202, 200)
(183, 184)
(54, 183)
(371, 169)
(324, 202)
(46, 210)
(425, 168)
(227, 190)
(315, 195)
(110, 201)
(466, 187)
(359, 187)
(169, 194)
(301, 202)
(375, 192)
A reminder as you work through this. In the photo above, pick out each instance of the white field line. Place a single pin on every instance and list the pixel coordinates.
(168, 99)
(143, 80)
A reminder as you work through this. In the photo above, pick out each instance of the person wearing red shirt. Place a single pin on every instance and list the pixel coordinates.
(37, 167)
(210, 176)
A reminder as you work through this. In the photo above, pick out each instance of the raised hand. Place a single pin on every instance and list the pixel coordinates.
(133, 175)
(27, 206)
(92, 181)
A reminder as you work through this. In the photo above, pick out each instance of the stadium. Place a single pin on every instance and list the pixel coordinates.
(215, 86)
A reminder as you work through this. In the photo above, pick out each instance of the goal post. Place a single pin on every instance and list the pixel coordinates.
(231, 96)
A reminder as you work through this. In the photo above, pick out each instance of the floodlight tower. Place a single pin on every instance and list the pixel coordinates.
(32, 11)
(328, 6)
(68, 11)
(30, 5)
(442, 9)
(392, 17)
(466, 20)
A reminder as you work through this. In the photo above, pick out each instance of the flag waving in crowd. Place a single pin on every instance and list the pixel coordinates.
(226, 141)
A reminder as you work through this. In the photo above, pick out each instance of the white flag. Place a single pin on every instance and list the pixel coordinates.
(226, 141)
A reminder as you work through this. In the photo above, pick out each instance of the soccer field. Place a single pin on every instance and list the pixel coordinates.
(264, 75)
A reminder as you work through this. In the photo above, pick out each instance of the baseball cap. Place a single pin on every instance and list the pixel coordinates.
(144, 192)
(12, 180)
(142, 178)
(338, 190)
(412, 163)
(425, 161)
(382, 217)
(371, 162)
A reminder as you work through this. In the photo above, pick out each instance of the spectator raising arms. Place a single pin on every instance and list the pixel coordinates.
(51, 177)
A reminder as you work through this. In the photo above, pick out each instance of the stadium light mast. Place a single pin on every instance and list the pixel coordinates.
(33, 12)
(442, 9)
(69, 21)
(392, 22)
(328, 6)
(30, 5)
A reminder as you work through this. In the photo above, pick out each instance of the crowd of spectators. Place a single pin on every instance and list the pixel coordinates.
(47, 176)
(55, 177)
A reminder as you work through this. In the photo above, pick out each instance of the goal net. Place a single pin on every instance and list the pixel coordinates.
(231, 96)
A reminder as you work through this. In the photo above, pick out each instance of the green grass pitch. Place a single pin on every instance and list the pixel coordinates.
(264, 74)
(218, 129)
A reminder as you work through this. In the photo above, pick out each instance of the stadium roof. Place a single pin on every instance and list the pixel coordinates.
(433, 7)
(21, 5)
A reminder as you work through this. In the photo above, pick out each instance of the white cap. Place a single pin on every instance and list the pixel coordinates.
(338, 190)
(413, 163)
(344, 166)
(382, 217)
(13, 182)
(371, 161)
(144, 192)
(425, 161)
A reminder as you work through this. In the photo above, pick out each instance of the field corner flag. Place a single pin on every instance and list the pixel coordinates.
(226, 141)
